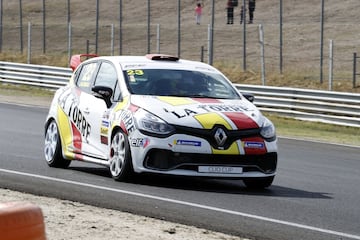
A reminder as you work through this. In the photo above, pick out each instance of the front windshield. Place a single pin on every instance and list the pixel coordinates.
(181, 83)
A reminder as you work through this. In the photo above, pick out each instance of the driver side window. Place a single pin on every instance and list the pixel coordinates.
(107, 76)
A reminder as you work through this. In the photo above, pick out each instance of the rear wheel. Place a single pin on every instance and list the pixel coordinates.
(52, 147)
(120, 157)
(258, 183)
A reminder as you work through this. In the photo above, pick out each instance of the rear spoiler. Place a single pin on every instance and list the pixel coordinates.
(79, 58)
(162, 57)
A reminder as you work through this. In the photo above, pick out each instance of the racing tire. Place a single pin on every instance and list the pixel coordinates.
(258, 183)
(52, 147)
(120, 158)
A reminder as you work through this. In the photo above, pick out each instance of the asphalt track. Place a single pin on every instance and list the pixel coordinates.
(314, 196)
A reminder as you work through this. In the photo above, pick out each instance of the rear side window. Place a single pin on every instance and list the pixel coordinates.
(85, 76)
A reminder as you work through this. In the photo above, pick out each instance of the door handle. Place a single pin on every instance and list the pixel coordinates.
(86, 111)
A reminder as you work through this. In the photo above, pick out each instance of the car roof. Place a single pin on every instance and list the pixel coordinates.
(128, 62)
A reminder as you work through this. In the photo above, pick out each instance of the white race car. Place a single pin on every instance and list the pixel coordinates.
(159, 114)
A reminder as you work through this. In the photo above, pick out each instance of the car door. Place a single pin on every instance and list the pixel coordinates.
(96, 112)
(75, 119)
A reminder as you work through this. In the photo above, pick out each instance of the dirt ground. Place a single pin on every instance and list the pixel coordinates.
(67, 220)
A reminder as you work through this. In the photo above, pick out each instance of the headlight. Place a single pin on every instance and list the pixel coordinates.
(152, 124)
(268, 130)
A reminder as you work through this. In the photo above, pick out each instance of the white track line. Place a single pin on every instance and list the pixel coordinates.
(272, 220)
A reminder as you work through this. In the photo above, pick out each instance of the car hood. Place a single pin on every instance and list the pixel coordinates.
(202, 112)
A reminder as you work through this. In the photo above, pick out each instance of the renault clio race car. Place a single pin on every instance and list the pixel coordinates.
(159, 114)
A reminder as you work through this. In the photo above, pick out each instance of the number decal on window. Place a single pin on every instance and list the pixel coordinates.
(137, 72)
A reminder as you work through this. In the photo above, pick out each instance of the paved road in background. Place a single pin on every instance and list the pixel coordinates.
(314, 196)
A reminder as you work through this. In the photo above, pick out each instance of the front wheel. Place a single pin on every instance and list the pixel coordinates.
(120, 157)
(258, 183)
(52, 147)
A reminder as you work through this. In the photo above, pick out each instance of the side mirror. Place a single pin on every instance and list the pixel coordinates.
(249, 96)
(103, 92)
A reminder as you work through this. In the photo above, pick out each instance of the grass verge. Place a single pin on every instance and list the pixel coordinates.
(316, 131)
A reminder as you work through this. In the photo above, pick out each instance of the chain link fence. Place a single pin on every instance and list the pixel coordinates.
(136, 27)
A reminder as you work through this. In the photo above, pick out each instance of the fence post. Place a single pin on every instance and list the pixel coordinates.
(21, 27)
(262, 53)
(202, 54)
(331, 65)
(87, 46)
(209, 45)
(29, 43)
(112, 40)
(1, 24)
(69, 41)
(158, 38)
(44, 27)
(354, 70)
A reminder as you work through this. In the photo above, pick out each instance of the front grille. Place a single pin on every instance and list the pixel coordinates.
(165, 160)
(208, 134)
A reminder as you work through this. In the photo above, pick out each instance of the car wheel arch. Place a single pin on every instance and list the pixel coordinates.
(129, 166)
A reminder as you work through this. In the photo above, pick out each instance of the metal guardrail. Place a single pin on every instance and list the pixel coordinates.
(310, 105)
(34, 75)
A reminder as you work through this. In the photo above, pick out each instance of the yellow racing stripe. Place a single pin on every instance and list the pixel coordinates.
(208, 120)
(121, 105)
(176, 101)
(65, 131)
(233, 149)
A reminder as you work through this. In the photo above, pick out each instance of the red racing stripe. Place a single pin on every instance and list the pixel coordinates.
(206, 100)
(241, 120)
(76, 137)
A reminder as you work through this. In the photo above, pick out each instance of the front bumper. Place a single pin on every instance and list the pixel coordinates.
(164, 156)
(165, 160)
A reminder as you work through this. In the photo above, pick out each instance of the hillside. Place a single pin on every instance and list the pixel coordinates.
(301, 34)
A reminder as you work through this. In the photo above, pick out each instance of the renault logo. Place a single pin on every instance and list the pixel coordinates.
(220, 136)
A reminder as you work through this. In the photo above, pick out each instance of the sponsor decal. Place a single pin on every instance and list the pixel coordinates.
(104, 130)
(127, 121)
(79, 120)
(106, 114)
(254, 145)
(104, 140)
(139, 65)
(223, 108)
(187, 143)
(63, 98)
(182, 113)
(105, 123)
(140, 142)
(257, 145)
(219, 169)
